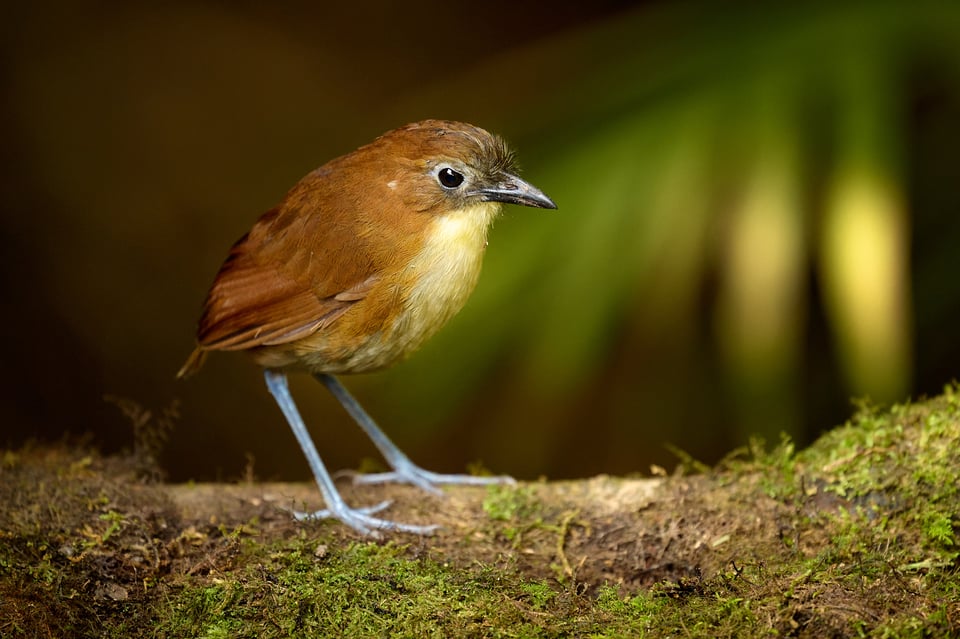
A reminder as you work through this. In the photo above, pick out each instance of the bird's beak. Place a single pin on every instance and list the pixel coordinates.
(512, 190)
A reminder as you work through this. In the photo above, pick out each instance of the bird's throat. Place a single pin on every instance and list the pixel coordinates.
(444, 273)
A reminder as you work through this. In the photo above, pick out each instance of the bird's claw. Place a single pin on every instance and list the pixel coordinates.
(360, 519)
(427, 480)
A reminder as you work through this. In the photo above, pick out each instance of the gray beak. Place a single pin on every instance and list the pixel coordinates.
(512, 190)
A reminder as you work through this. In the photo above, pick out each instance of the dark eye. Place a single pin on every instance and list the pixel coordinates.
(449, 178)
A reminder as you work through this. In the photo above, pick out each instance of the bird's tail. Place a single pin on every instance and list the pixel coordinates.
(193, 363)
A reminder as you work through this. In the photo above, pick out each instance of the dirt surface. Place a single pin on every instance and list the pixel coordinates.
(856, 536)
(633, 532)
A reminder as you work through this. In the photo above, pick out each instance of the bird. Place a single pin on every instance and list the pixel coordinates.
(364, 259)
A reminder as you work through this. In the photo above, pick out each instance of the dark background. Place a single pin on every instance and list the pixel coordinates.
(757, 222)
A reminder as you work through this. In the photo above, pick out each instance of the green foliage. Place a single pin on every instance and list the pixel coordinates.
(763, 146)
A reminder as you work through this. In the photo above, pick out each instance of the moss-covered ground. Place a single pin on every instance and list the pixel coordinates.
(855, 536)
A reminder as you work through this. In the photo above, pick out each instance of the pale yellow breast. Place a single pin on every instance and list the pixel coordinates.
(440, 279)
(445, 271)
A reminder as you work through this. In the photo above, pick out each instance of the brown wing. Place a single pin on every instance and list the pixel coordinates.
(256, 305)
(306, 262)
(292, 275)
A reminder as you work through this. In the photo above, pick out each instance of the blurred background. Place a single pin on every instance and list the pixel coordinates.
(758, 220)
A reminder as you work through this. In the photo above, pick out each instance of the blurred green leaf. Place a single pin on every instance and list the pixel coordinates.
(702, 180)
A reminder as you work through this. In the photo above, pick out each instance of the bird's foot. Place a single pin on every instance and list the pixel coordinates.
(360, 519)
(410, 473)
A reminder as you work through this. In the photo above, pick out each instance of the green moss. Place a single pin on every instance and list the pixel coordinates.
(363, 589)
(938, 529)
(510, 502)
(898, 472)
(517, 507)
(539, 594)
(854, 536)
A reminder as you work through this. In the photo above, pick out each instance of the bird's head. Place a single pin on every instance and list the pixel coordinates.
(440, 166)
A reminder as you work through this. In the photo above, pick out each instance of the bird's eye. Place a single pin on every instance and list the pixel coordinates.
(449, 178)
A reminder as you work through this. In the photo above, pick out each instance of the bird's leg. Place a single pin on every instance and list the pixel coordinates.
(404, 470)
(358, 519)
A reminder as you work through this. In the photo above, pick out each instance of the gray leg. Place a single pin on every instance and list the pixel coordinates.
(358, 519)
(404, 470)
